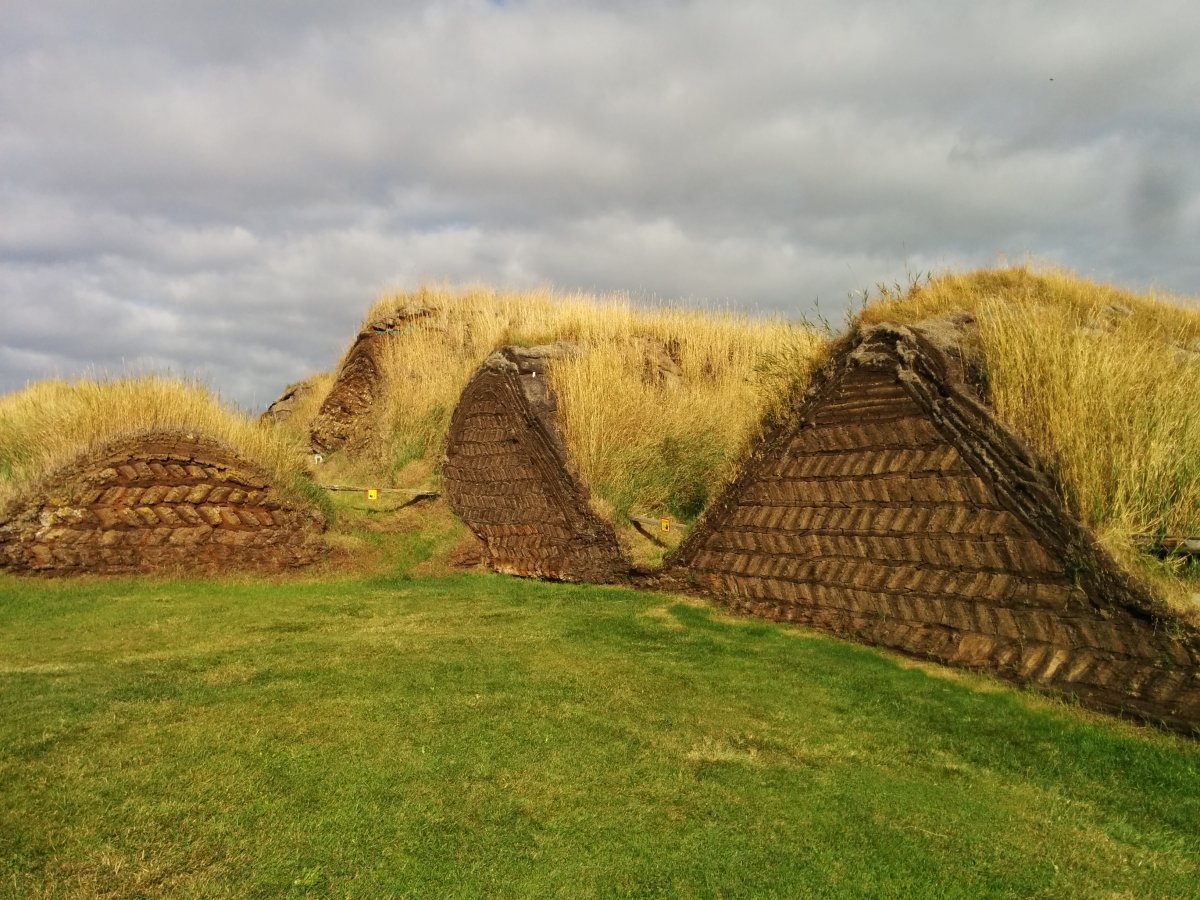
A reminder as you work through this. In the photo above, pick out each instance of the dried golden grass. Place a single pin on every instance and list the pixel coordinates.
(1171, 319)
(50, 424)
(654, 444)
(309, 402)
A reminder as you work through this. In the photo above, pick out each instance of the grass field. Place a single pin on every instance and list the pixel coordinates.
(388, 734)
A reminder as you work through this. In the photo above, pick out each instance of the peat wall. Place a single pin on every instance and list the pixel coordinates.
(893, 508)
(508, 476)
(159, 503)
(346, 410)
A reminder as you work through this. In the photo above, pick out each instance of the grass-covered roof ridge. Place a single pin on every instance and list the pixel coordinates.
(51, 424)
(1100, 382)
(1170, 318)
(637, 402)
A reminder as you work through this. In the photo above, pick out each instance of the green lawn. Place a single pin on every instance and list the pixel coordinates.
(485, 735)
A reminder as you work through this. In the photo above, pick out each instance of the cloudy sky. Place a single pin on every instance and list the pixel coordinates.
(220, 189)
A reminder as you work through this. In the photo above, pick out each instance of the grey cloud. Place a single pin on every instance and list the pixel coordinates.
(223, 188)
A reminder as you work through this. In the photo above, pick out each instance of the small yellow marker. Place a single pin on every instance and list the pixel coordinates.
(665, 523)
(372, 493)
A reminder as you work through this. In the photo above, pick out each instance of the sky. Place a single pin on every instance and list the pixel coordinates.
(220, 189)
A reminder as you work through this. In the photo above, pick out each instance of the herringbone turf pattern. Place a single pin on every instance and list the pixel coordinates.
(894, 509)
(508, 477)
(160, 503)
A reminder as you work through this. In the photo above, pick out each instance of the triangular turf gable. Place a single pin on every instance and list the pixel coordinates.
(893, 508)
(345, 416)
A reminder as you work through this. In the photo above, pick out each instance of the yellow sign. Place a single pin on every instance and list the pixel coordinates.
(665, 523)
(372, 493)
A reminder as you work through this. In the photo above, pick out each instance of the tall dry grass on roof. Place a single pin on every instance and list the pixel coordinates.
(1090, 304)
(50, 424)
(655, 406)
(1103, 383)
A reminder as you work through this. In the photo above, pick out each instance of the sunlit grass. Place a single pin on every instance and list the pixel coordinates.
(312, 392)
(475, 735)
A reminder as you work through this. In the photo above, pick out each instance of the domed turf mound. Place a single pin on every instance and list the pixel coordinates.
(149, 474)
(159, 503)
(891, 506)
(508, 476)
